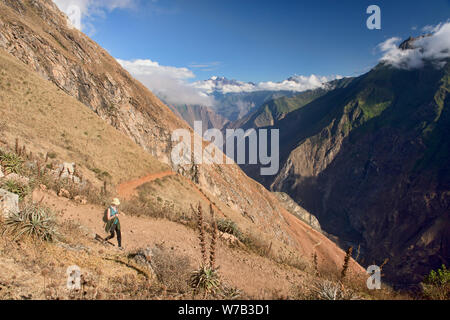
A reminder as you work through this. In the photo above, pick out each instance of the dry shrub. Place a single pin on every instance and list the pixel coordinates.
(3, 126)
(85, 190)
(148, 208)
(292, 260)
(171, 269)
(128, 287)
(257, 244)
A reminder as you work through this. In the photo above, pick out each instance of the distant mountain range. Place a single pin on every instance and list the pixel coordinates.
(236, 99)
(275, 109)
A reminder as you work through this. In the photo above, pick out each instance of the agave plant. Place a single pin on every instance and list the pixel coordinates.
(11, 162)
(328, 290)
(34, 221)
(230, 293)
(205, 279)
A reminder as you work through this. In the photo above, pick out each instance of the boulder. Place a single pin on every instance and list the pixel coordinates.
(63, 193)
(1, 173)
(9, 202)
(67, 169)
(144, 257)
(80, 199)
(231, 239)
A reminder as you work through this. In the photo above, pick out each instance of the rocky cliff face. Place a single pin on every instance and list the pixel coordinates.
(371, 162)
(298, 211)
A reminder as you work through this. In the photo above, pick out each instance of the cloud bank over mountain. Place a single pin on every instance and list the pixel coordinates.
(296, 83)
(169, 83)
(172, 83)
(433, 47)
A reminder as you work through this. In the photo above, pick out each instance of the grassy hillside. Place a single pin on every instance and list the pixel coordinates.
(45, 119)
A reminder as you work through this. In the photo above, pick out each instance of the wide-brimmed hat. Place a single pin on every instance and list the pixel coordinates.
(115, 202)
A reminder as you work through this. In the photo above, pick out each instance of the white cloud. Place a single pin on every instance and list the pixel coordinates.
(435, 47)
(169, 83)
(296, 83)
(80, 12)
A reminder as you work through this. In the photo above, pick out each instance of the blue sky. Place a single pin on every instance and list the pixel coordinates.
(256, 40)
(253, 40)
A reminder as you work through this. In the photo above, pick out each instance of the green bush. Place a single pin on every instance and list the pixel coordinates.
(436, 285)
(34, 220)
(229, 226)
(101, 175)
(51, 155)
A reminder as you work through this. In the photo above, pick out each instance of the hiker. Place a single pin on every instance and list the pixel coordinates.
(113, 222)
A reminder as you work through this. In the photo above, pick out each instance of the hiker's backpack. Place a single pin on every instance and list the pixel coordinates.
(105, 215)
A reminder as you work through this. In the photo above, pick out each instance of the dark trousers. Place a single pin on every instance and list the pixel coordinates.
(119, 235)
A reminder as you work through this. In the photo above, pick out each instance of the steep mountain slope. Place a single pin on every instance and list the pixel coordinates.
(371, 162)
(36, 33)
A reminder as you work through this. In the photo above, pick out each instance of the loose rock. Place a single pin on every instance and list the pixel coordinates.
(9, 202)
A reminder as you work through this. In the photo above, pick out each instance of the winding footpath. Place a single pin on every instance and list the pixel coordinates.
(127, 189)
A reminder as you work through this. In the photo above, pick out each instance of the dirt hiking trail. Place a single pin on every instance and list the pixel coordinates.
(127, 189)
(258, 276)
(308, 240)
